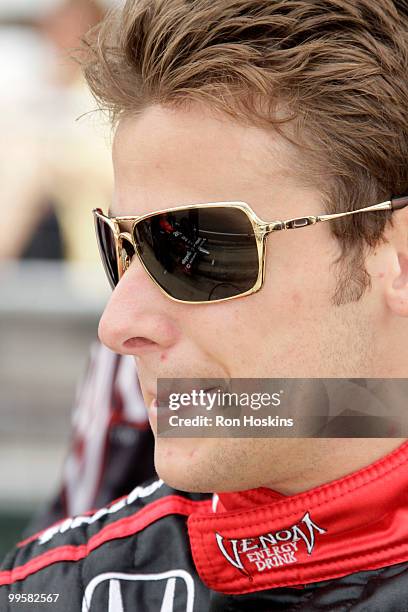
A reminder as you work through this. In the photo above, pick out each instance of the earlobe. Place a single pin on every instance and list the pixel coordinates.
(397, 290)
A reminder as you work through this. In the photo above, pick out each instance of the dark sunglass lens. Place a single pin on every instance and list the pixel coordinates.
(107, 249)
(200, 254)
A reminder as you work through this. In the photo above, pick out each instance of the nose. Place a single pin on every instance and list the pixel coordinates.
(137, 319)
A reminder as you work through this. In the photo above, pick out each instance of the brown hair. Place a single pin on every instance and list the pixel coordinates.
(339, 68)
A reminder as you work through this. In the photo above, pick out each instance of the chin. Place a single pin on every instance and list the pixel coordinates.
(198, 465)
(180, 467)
(189, 485)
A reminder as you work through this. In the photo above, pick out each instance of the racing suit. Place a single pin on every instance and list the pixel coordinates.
(339, 547)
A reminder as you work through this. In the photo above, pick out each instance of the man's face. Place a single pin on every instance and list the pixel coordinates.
(290, 328)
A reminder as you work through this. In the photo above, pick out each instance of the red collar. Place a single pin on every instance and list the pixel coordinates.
(260, 539)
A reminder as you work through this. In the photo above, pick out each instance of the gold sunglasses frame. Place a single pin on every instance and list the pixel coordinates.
(261, 230)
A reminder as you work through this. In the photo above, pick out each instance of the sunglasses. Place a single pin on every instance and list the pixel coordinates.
(203, 252)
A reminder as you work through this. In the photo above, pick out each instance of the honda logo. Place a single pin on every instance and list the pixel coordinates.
(175, 583)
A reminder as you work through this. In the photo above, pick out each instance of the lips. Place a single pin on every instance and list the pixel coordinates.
(159, 416)
(152, 408)
(158, 401)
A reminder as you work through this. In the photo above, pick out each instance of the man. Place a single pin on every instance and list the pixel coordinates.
(297, 109)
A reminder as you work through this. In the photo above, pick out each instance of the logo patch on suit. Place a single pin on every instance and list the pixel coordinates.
(272, 549)
(171, 591)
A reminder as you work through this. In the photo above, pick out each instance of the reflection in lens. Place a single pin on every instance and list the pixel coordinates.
(200, 254)
(107, 250)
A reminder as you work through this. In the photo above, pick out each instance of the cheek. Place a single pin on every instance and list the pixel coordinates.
(275, 331)
(270, 333)
(300, 268)
(296, 300)
(233, 333)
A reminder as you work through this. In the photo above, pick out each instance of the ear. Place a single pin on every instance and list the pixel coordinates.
(396, 289)
(396, 276)
(387, 266)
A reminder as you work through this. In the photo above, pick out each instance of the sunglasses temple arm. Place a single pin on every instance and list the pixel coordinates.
(383, 206)
(393, 205)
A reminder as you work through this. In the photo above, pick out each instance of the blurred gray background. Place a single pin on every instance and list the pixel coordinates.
(46, 327)
(54, 169)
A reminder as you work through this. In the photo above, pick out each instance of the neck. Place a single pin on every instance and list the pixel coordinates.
(319, 461)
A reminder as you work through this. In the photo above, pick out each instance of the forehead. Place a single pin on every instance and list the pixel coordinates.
(173, 157)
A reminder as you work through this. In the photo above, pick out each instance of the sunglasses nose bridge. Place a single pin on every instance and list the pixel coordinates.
(126, 254)
(126, 236)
